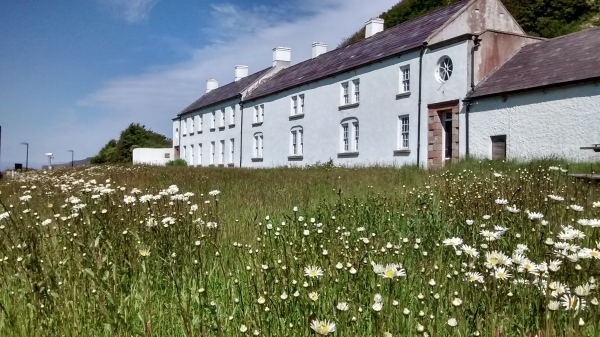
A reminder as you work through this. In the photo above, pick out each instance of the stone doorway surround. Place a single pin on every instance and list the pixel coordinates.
(437, 134)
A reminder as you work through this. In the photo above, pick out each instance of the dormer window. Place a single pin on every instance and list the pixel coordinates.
(444, 69)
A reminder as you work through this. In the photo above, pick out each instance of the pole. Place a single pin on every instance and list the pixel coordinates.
(27, 156)
(72, 158)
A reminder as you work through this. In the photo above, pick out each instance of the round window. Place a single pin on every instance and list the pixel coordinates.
(444, 69)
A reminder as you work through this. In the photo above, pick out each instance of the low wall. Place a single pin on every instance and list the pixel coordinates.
(157, 157)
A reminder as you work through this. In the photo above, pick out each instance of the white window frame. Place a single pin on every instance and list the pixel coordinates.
(213, 120)
(232, 115)
(231, 150)
(349, 135)
(301, 98)
(192, 155)
(404, 132)
(444, 68)
(262, 113)
(197, 123)
(355, 134)
(191, 125)
(405, 79)
(200, 154)
(356, 91)
(294, 106)
(256, 114)
(184, 127)
(184, 154)
(222, 152)
(222, 121)
(346, 137)
(297, 141)
(177, 134)
(345, 98)
(212, 153)
(258, 145)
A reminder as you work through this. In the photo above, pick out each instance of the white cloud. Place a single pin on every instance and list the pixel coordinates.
(132, 11)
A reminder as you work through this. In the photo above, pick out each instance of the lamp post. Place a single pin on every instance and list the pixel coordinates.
(27, 156)
(72, 157)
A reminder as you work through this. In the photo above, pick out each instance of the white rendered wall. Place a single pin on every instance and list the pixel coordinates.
(153, 156)
(538, 124)
(377, 112)
(207, 135)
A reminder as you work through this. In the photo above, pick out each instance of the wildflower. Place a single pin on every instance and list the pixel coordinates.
(313, 296)
(211, 225)
(420, 328)
(393, 270)
(474, 277)
(129, 199)
(151, 223)
(469, 222)
(502, 274)
(406, 311)
(353, 271)
(214, 193)
(313, 271)
(583, 290)
(452, 242)
(284, 296)
(553, 305)
(452, 322)
(489, 236)
(535, 216)
(25, 198)
(261, 300)
(457, 302)
(573, 303)
(576, 208)
(581, 322)
(343, 306)
(146, 198)
(339, 265)
(243, 328)
(556, 197)
(322, 327)
(554, 265)
(144, 253)
(513, 209)
(377, 306)
(432, 282)
(501, 201)
(46, 222)
(596, 204)
(469, 250)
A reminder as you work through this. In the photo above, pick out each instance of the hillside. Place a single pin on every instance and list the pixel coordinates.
(545, 18)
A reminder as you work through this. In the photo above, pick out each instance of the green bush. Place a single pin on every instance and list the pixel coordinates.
(177, 162)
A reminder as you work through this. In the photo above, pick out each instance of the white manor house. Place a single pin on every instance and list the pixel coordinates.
(464, 80)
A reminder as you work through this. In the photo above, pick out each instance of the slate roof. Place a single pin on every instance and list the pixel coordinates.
(224, 93)
(393, 41)
(562, 60)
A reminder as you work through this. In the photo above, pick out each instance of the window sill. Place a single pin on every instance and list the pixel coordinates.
(349, 106)
(221, 165)
(348, 154)
(211, 165)
(404, 151)
(212, 129)
(257, 159)
(294, 157)
(403, 95)
(222, 127)
(298, 116)
(257, 124)
(230, 165)
(199, 132)
(232, 125)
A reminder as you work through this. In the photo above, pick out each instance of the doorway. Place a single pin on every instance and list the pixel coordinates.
(442, 137)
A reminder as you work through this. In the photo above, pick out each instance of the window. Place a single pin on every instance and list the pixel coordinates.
(222, 118)
(262, 113)
(199, 154)
(499, 147)
(297, 141)
(176, 133)
(191, 125)
(231, 150)
(183, 128)
(167, 155)
(258, 145)
(294, 105)
(404, 129)
(444, 69)
(355, 125)
(345, 93)
(212, 153)
(301, 104)
(405, 79)
(183, 154)
(350, 135)
(212, 121)
(232, 115)
(256, 114)
(222, 152)
(192, 155)
(200, 123)
(356, 85)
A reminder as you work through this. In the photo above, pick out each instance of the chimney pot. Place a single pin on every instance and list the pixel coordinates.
(240, 72)
(318, 48)
(211, 84)
(282, 56)
(373, 27)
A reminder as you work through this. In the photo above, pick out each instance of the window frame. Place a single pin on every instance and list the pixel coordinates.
(199, 154)
(213, 120)
(296, 142)
(212, 153)
(349, 136)
(402, 132)
(294, 106)
(301, 98)
(232, 115)
(405, 79)
(222, 152)
(356, 90)
(345, 98)
(231, 150)
(440, 71)
(258, 145)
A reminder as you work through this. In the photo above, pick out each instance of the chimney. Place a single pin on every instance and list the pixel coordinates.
(282, 56)
(240, 72)
(318, 48)
(211, 84)
(373, 27)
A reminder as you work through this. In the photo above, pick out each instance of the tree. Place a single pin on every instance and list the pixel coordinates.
(135, 135)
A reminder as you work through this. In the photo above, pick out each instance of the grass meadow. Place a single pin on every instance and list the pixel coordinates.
(477, 249)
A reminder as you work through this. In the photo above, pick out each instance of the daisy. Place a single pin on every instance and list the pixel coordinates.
(393, 270)
(513, 209)
(596, 204)
(553, 305)
(129, 199)
(469, 250)
(322, 327)
(452, 322)
(535, 216)
(342, 306)
(214, 193)
(501, 201)
(144, 252)
(576, 208)
(453, 242)
(313, 296)
(502, 274)
(556, 197)
(572, 302)
(313, 271)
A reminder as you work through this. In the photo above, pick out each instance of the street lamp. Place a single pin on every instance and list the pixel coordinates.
(72, 156)
(27, 156)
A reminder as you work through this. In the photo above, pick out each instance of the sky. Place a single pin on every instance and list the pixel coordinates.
(75, 73)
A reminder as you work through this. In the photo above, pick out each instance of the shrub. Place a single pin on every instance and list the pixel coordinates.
(177, 162)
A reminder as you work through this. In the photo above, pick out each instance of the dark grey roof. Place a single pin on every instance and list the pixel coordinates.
(224, 93)
(562, 60)
(393, 41)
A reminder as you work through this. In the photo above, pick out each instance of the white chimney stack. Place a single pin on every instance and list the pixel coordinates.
(318, 48)
(373, 27)
(211, 84)
(282, 56)
(240, 72)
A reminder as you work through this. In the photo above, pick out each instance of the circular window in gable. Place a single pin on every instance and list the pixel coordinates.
(444, 69)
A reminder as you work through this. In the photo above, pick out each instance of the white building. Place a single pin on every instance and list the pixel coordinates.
(394, 98)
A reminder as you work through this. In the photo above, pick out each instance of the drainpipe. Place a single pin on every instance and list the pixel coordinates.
(476, 44)
(241, 128)
(178, 138)
(423, 48)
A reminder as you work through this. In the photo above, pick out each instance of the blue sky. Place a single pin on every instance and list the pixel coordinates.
(74, 73)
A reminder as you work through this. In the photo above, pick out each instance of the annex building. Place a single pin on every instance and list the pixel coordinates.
(462, 80)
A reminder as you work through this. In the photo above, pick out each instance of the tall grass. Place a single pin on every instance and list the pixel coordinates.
(83, 255)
